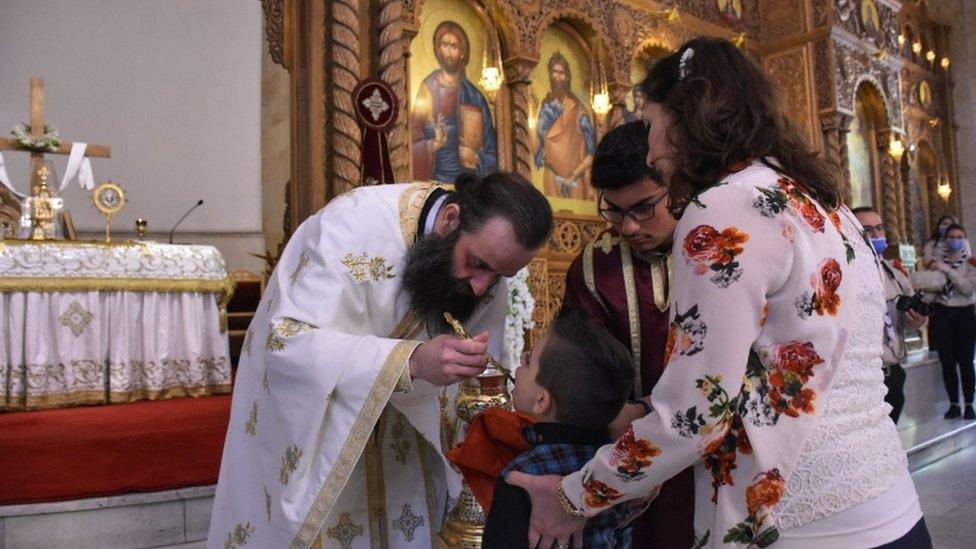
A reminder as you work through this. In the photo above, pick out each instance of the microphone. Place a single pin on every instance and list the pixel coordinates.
(195, 206)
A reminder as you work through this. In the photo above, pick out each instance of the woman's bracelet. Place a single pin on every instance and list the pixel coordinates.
(641, 402)
(570, 509)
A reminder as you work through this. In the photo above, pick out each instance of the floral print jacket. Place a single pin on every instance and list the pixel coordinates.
(762, 281)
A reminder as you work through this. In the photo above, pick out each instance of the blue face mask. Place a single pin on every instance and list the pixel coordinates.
(880, 244)
(955, 244)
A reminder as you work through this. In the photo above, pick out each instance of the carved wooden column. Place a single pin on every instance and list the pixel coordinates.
(517, 70)
(392, 67)
(890, 189)
(343, 67)
(834, 127)
(908, 181)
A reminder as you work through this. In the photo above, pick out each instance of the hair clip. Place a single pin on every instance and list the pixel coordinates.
(683, 63)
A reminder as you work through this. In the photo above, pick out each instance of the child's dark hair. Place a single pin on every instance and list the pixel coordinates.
(588, 372)
(621, 158)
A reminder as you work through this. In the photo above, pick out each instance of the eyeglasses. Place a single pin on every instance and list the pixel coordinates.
(642, 211)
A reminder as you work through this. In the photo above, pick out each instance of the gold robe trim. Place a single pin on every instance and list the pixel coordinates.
(411, 204)
(352, 449)
(633, 314)
(589, 279)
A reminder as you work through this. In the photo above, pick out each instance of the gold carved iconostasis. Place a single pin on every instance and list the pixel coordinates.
(531, 87)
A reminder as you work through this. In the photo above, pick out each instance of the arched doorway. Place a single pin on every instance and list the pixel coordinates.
(862, 147)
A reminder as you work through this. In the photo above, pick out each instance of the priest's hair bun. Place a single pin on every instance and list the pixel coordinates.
(466, 182)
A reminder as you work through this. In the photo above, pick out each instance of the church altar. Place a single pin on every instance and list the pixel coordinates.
(99, 323)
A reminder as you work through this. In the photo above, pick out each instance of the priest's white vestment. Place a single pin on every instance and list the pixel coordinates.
(329, 441)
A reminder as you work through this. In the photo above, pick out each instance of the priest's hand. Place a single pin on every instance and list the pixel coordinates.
(549, 523)
(447, 359)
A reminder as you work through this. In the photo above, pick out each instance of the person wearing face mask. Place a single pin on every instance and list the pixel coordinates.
(622, 280)
(896, 284)
(773, 388)
(932, 250)
(954, 321)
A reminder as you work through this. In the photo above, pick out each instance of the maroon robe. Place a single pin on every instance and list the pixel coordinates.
(669, 520)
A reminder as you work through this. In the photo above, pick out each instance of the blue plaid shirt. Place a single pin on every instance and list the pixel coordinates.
(557, 449)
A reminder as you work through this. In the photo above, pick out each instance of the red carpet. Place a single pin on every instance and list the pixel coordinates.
(84, 452)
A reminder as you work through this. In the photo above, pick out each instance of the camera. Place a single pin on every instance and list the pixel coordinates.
(914, 303)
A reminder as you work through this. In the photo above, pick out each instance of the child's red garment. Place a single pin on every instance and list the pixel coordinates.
(494, 439)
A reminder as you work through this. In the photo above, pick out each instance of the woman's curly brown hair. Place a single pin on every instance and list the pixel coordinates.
(725, 110)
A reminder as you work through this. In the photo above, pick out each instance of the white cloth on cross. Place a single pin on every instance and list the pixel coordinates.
(79, 167)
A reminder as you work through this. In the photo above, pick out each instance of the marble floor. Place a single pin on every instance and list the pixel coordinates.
(947, 491)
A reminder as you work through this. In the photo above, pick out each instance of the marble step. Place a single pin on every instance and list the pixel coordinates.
(928, 442)
(171, 518)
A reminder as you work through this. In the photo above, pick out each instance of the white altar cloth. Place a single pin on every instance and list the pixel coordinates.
(96, 323)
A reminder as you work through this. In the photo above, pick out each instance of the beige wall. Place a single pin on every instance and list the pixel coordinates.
(174, 87)
(961, 16)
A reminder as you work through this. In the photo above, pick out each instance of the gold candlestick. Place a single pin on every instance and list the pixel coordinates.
(465, 522)
(141, 225)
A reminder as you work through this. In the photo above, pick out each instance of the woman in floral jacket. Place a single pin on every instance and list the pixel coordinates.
(774, 386)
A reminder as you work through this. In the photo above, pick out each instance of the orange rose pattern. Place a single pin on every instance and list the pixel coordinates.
(706, 249)
(824, 299)
(789, 194)
(761, 496)
(631, 455)
(597, 494)
(792, 367)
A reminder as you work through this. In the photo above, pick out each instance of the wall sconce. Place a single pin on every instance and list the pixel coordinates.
(491, 76)
(933, 122)
(917, 48)
(896, 148)
(739, 40)
(601, 103)
(901, 40)
(944, 190)
(930, 56)
(945, 63)
(491, 81)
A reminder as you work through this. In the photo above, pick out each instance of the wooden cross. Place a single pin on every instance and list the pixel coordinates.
(37, 130)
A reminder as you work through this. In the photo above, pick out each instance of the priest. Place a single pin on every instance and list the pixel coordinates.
(342, 401)
(621, 278)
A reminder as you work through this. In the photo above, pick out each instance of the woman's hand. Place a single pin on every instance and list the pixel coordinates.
(550, 523)
(627, 415)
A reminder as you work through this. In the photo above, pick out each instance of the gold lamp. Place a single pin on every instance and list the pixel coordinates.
(601, 96)
(945, 63)
(930, 56)
(901, 40)
(491, 77)
(917, 48)
(896, 148)
(944, 189)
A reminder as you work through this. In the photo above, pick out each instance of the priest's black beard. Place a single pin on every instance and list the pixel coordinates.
(430, 283)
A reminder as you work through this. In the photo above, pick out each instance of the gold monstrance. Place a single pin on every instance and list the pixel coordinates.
(466, 521)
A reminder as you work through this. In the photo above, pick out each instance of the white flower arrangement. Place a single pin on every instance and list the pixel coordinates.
(49, 141)
(519, 317)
